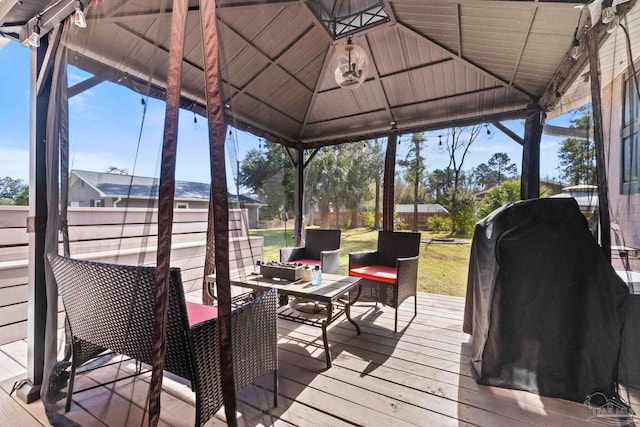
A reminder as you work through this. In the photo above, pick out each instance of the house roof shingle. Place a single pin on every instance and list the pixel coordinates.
(141, 187)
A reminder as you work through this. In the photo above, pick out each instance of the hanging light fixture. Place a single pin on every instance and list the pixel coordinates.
(78, 17)
(351, 65)
(608, 11)
(34, 38)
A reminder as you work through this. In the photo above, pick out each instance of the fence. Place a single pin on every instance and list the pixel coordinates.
(116, 235)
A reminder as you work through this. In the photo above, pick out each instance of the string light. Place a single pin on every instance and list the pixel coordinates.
(440, 140)
(575, 44)
(195, 121)
(143, 104)
(34, 38)
(78, 17)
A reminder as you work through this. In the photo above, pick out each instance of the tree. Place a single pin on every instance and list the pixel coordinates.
(440, 183)
(506, 192)
(116, 170)
(463, 212)
(10, 188)
(414, 164)
(577, 155)
(457, 144)
(323, 175)
(501, 164)
(269, 175)
(497, 169)
(22, 199)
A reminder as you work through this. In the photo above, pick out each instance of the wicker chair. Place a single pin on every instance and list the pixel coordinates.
(322, 247)
(390, 274)
(111, 307)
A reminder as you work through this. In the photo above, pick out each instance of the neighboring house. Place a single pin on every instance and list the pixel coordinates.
(99, 189)
(425, 211)
(621, 127)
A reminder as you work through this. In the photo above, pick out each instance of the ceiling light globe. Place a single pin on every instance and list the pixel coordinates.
(351, 65)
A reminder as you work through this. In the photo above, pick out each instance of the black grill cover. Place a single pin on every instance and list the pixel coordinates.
(544, 307)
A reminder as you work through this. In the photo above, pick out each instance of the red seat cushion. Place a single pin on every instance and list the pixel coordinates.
(199, 312)
(313, 262)
(380, 273)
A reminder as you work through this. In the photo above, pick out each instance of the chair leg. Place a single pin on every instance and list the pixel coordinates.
(415, 300)
(395, 327)
(72, 377)
(275, 388)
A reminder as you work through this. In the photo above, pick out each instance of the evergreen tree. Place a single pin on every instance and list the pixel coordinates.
(269, 175)
(577, 155)
(414, 171)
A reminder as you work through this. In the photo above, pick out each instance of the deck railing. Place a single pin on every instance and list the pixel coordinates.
(115, 235)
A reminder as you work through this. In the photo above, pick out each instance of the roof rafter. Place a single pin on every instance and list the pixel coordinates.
(532, 18)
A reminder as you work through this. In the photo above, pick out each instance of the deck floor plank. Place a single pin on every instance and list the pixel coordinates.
(419, 376)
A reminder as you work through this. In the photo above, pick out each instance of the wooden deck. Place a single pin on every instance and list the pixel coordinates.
(420, 376)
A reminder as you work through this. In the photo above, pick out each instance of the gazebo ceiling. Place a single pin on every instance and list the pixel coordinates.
(433, 62)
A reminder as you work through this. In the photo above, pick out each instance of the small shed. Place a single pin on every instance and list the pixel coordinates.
(425, 212)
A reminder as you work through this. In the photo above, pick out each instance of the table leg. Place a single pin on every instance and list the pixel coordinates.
(348, 310)
(327, 352)
(325, 323)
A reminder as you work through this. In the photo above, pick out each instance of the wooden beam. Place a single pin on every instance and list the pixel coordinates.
(598, 137)
(530, 179)
(311, 156)
(389, 182)
(416, 126)
(532, 18)
(511, 134)
(49, 59)
(299, 196)
(38, 211)
(87, 84)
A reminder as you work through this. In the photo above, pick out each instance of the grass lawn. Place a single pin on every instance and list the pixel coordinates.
(442, 268)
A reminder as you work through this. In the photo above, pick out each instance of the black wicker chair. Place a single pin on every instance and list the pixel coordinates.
(390, 274)
(322, 247)
(110, 306)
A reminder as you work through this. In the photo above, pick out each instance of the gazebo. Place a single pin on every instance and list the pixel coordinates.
(305, 74)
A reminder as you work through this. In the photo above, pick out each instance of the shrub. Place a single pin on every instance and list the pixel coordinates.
(438, 224)
(463, 213)
(368, 218)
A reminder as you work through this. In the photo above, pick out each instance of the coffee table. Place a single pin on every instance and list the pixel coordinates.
(336, 293)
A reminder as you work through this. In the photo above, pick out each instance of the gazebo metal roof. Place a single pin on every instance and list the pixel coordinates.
(434, 63)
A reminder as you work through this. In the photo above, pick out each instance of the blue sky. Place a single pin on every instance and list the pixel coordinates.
(105, 122)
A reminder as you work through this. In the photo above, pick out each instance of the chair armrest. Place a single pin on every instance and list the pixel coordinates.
(291, 254)
(329, 261)
(254, 337)
(407, 273)
(360, 259)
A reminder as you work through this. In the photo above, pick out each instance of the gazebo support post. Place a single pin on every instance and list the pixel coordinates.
(530, 180)
(389, 182)
(36, 223)
(598, 138)
(299, 195)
